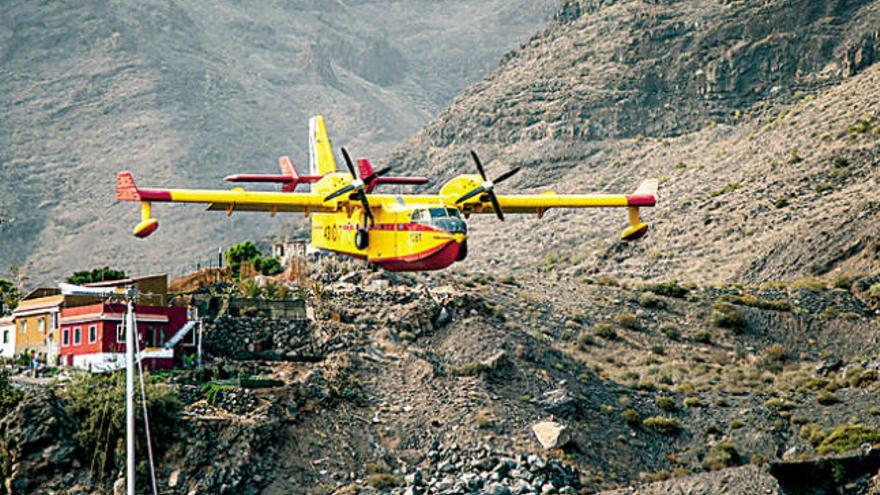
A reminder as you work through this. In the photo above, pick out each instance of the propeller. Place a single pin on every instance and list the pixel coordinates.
(358, 185)
(488, 186)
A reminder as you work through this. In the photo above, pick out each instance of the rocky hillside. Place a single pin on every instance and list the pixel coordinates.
(761, 120)
(187, 93)
(440, 385)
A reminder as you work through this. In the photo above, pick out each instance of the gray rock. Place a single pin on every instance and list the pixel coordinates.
(550, 434)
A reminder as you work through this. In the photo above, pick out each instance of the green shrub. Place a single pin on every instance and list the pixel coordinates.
(212, 391)
(692, 402)
(874, 291)
(825, 186)
(631, 417)
(628, 321)
(649, 300)
(585, 340)
(810, 283)
(96, 403)
(826, 398)
(726, 315)
(736, 424)
(720, 456)
(862, 378)
(605, 330)
(9, 396)
(773, 357)
(666, 403)
(812, 433)
(662, 425)
(670, 331)
(774, 404)
(668, 289)
(703, 337)
(781, 203)
(756, 302)
(848, 437)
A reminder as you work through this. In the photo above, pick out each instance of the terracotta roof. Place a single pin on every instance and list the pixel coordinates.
(39, 303)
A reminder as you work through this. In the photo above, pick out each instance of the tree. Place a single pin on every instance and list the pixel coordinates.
(96, 275)
(247, 251)
(9, 296)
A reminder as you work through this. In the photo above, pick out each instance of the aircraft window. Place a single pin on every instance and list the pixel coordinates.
(454, 213)
(418, 215)
(438, 213)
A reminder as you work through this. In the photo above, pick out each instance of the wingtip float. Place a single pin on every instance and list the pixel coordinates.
(399, 232)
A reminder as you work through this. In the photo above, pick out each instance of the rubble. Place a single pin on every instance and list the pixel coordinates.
(455, 471)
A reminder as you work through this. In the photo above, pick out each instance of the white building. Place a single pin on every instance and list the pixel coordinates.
(7, 337)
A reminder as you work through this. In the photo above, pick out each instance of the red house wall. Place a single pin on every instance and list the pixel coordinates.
(106, 335)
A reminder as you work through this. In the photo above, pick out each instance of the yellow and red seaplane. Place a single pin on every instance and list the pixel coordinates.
(398, 232)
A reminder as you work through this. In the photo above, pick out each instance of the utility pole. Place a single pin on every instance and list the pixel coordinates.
(129, 397)
(128, 294)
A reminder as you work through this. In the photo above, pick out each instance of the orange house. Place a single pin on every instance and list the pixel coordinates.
(37, 320)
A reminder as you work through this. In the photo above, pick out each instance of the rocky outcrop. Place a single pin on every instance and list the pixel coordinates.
(37, 449)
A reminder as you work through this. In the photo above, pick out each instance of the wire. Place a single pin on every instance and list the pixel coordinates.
(139, 359)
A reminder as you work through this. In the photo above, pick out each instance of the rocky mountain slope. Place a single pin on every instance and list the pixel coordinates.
(761, 120)
(188, 93)
(435, 385)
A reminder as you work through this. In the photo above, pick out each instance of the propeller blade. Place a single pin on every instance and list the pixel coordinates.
(479, 165)
(340, 192)
(506, 175)
(470, 195)
(349, 163)
(367, 211)
(495, 205)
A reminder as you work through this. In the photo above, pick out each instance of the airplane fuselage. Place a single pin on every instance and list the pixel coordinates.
(404, 237)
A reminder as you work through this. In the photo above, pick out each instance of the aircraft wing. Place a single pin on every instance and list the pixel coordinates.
(645, 195)
(218, 200)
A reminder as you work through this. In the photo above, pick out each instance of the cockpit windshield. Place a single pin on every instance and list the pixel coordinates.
(444, 213)
(448, 219)
(429, 215)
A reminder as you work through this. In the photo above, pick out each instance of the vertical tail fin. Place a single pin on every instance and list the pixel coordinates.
(321, 160)
(126, 190)
(288, 170)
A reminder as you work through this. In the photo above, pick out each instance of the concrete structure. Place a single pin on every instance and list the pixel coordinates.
(152, 289)
(92, 336)
(285, 251)
(7, 337)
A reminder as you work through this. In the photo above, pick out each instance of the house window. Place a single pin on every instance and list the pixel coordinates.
(56, 321)
(192, 335)
(93, 334)
(41, 325)
(23, 326)
(5, 336)
(120, 333)
(77, 335)
(65, 337)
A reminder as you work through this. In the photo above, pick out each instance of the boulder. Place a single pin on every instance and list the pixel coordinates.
(550, 434)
